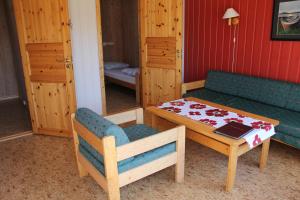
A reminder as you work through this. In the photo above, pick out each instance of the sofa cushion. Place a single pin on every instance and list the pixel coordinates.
(222, 82)
(293, 98)
(295, 142)
(258, 89)
(289, 123)
(255, 107)
(249, 87)
(274, 92)
(210, 95)
(134, 132)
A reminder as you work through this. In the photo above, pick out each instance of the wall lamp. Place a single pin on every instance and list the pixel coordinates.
(233, 16)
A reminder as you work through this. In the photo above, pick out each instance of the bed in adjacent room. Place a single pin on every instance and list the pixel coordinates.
(124, 75)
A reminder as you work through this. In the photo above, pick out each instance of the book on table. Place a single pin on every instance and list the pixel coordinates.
(234, 130)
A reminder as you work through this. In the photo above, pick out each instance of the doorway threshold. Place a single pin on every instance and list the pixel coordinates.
(16, 136)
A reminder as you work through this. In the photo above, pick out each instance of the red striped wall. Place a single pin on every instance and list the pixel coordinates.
(209, 41)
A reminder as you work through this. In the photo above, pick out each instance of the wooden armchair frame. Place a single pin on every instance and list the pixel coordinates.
(113, 181)
(192, 86)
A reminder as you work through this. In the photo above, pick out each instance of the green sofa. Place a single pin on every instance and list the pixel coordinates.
(274, 99)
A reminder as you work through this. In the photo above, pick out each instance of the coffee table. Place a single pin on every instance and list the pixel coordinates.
(204, 134)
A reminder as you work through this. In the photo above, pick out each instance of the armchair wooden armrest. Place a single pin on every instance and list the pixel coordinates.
(127, 116)
(191, 86)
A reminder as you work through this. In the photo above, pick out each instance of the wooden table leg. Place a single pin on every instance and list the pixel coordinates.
(154, 120)
(232, 164)
(264, 154)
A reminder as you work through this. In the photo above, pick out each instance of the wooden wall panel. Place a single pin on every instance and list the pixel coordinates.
(120, 26)
(209, 41)
(47, 62)
(130, 32)
(161, 88)
(8, 80)
(111, 12)
(37, 14)
(52, 108)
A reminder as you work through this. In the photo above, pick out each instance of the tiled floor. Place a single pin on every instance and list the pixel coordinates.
(14, 118)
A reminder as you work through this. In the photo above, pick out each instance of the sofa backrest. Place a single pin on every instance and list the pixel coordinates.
(294, 98)
(277, 93)
(100, 126)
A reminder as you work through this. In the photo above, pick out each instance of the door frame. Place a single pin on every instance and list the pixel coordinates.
(100, 55)
(100, 51)
(71, 96)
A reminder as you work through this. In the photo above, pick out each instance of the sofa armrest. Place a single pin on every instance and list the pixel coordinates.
(127, 116)
(191, 86)
(152, 142)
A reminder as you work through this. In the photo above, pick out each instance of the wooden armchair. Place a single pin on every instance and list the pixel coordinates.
(116, 174)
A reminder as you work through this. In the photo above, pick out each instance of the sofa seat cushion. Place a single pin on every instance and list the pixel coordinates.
(289, 123)
(255, 107)
(293, 98)
(100, 127)
(137, 161)
(210, 95)
(293, 141)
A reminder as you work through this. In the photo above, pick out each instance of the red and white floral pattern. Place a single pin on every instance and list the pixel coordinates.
(217, 117)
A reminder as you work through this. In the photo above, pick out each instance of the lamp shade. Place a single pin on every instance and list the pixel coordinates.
(230, 13)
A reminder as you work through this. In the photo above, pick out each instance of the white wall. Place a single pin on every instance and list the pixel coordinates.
(85, 54)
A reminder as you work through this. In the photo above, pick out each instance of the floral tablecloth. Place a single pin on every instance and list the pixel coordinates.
(217, 117)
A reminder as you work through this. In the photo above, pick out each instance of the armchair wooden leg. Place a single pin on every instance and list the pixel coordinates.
(81, 170)
(180, 148)
(111, 168)
(114, 193)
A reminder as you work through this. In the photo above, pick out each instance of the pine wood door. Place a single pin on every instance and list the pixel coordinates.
(161, 49)
(44, 37)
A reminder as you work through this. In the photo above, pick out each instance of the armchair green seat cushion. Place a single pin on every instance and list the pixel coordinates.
(101, 127)
(274, 99)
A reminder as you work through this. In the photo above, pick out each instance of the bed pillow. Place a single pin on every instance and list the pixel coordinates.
(130, 71)
(115, 65)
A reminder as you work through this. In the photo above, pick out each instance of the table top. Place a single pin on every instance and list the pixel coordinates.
(204, 128)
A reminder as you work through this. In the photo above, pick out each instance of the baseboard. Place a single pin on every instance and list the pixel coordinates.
(16, 136)
(9, 98)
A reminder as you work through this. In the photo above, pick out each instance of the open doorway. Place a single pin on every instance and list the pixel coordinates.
(120, 35)
(14, 114)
